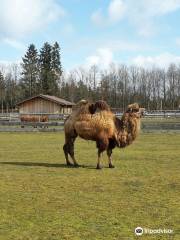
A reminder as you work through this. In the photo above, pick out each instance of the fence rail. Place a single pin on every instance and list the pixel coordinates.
(38, 124)
(18, 126)
(146, 126)
(148, 114)
(17, 116)
(157, 114)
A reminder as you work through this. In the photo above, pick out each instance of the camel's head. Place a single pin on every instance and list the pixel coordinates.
(135, 111)
(132, 116)
(122, 138)
(83, 107)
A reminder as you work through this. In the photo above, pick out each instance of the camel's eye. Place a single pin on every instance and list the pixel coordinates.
(129, 110)
(135, 110)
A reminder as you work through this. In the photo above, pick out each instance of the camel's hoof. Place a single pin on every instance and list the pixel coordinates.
(111, 166)
(98, 166)
(69, 164)
(76, 165)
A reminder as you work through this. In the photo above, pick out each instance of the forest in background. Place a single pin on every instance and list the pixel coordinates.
(41, 72)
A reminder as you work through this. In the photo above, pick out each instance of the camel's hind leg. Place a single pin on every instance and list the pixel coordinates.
(69, 149)
(112, 145)
(109, 153)
(66, 148)
(99, 159)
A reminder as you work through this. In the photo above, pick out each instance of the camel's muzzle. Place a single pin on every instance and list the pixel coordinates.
(122, 145)
(141, 112)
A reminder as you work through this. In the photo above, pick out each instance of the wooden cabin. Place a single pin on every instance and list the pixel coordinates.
(44, 105)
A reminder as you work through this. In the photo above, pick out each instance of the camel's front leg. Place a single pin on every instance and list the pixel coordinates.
(99, 160)
(109, 153)
(102, 145)
(66, 148)
(69, 149)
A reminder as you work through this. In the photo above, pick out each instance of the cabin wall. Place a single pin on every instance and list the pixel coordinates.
(40, 105)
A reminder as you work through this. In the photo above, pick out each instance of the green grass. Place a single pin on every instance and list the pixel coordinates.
(41, 199)
(161, 120)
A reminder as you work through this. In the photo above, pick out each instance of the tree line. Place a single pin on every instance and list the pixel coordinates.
(154, 88)
(119, 85)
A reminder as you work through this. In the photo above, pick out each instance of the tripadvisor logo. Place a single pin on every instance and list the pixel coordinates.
(138, 231)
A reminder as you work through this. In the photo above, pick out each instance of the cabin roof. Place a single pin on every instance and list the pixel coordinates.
(57, 100)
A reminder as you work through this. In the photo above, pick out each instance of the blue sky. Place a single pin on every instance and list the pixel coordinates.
(143, 32)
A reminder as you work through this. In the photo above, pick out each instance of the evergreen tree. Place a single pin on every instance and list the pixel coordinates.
(56, 68)
(56, 60)
(50, 68)
(46, 73)
(30, 72)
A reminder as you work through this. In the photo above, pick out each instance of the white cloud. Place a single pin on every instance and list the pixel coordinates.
(142, 14)
(14, 43)
(68, 29)
(20, 17)
(163, 60)
(158, 7)
(97, 17)
(177, 41)
(123, 45)
(103, 57)
(116, 10)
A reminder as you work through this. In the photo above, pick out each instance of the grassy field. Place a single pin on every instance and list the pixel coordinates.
(42, 199)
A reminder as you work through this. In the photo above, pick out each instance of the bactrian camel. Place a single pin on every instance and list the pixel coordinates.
(96, 122)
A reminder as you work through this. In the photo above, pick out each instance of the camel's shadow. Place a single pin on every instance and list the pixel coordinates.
(48, 165)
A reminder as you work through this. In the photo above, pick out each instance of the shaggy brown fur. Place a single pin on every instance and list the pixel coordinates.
(101, 106)
(96, 122)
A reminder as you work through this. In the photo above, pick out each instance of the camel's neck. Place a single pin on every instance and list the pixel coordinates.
(132, 128)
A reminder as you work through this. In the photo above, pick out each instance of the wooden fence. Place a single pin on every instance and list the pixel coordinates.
(17, 126)
(17, 116)
(152, 121)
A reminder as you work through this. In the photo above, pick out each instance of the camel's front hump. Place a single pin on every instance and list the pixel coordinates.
(91, 127)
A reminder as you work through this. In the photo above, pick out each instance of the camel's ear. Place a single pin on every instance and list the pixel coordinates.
(133, 107)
